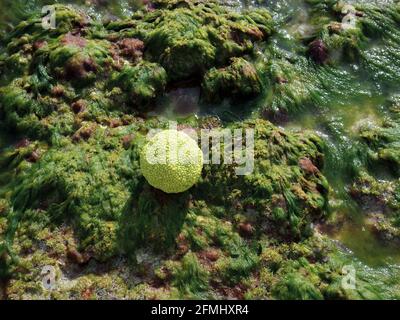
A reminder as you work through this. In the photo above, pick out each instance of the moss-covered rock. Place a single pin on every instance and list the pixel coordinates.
(72, 195)
(119, 72)
(93, 184)
(142, 83)
(191, 37)
(361, 32)
(286, 193)
(239, 79)
(376, 186)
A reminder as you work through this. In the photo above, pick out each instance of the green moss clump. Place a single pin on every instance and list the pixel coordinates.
(296, 287)
(287, 194)
(142, 83)
(118, 73)
(189, 277)
(207, 33)
(239, 266)
(239, 79)
(383, 143)
(64, 185)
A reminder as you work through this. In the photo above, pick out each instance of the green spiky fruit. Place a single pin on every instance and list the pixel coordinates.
(171, 161)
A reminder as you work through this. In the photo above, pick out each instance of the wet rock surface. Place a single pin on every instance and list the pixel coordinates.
(81, 98)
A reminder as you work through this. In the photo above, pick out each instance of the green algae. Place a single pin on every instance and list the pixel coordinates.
(286, 193)
(80, 94)
(131, 68)
(90, 184)
(208, 39)
(240, 79)
(190, 277)
(372, 40)
(143, 82)
(299, 84)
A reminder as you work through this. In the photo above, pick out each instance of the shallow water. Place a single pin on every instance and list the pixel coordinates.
(354, 234)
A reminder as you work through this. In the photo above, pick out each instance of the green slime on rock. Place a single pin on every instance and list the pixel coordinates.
(76, 105)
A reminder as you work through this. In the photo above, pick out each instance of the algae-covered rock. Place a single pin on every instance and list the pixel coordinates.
(239, 79)
(94, 187)
(383, 142)
(191, 37)
(286, 195)
(81, 98)
(376, 187)
(30, 35)
(380, 201)
(75, 58)
(64, 183)
(143, 82)
(119, 72)
(362, 32)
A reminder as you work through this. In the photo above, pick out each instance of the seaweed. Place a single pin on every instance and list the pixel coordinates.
(80, 97)
(239, 79)
(297, 83)
(364, 33)
(116, 72)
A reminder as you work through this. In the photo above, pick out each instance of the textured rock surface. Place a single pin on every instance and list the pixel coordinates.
(76, 103)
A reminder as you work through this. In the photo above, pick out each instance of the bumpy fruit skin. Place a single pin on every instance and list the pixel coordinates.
(180, 165)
